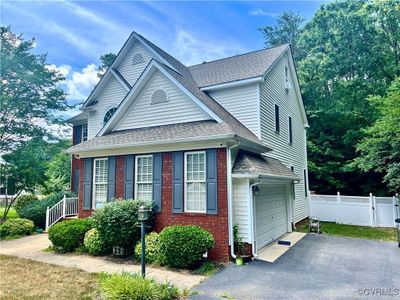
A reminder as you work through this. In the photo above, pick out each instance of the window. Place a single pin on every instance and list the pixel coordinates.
(108, 115)
(159, 96)
(84, 132)
(290, 130)
(144, 177)
(195, 181)
(287, 81)
(305, 183)
(293, 187)
(100, 175)
(277, 125)
(137, 59)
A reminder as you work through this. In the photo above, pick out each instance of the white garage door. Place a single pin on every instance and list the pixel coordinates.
(271, 214)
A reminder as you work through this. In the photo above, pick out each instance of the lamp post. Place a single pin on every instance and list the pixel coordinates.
(143, 215)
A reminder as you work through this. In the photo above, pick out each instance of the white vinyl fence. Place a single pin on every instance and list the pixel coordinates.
(355, 210)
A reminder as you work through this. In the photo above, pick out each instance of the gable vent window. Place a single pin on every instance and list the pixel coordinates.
(137, 59)
(159, 96)
(287, 82)
(108, 115)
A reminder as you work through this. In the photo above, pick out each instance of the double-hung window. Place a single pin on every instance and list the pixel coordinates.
(144, 177)
(84, 132)
(100, 174)
(195, 182)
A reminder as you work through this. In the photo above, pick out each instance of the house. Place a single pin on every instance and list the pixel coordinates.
(214, 144)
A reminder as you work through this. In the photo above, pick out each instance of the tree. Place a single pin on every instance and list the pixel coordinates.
(380, 148)
(106, 62)
(287, 30)
(348, 51)
(30, 92)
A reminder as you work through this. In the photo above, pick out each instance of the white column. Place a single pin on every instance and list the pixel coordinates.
(47, 218)
(371, 210)
(339, 209)
(64, 205)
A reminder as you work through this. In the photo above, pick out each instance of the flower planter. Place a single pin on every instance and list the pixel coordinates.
(239, 261)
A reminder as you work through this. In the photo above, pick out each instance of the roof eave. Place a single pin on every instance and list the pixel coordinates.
(234, 83)
(261, 176)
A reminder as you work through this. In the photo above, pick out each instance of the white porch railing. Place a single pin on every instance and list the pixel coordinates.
(64, 208)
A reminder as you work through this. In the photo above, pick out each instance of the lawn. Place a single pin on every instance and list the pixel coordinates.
(12, 214)
(364, 232)
(27, 279)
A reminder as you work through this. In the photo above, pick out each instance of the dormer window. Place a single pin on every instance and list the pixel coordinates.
(158, 97)
(137, 59)
(108, 115)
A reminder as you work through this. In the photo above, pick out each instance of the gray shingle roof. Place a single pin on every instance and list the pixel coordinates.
(239, 67)
(260, 165)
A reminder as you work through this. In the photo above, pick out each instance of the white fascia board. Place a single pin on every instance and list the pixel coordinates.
(123, 83)
(266, 177)
(231, 84)
(140, 83)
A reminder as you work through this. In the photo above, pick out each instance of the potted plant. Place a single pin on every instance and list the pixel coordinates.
(239, 246)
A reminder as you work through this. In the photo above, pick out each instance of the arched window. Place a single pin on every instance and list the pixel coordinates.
(137, 59)
(109, 114)
(159, 96)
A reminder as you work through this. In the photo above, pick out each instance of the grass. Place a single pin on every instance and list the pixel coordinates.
(27, 279)
(353, 231)
(208, 268)
(12, 214)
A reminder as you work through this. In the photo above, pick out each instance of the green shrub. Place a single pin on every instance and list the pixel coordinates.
(23, 201)
(16, 227)
(68, 235)
(183, 246)
(118, 223)
(134, 287)
(93, 243)
(153, 254)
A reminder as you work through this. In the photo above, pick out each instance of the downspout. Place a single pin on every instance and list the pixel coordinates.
(253, 248)
(230, 197)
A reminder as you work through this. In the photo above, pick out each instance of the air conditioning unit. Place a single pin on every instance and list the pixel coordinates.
(288, 86)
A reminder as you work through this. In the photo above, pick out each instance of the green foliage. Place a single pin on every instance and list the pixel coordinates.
(118, 223)
(134, 287)
(183, 246)
(208, 268)
(106, 62)
(153, 254)
(238, 240)
(30, 91)
(380, 148)
(24, 200)
(93, 243)
(66, 236)
(14, 227)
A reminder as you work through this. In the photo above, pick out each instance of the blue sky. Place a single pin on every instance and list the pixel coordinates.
(76, 33)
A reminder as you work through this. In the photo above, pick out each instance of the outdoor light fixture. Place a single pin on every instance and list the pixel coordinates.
(143, 216)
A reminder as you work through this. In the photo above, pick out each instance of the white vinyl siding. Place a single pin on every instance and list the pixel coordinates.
(131, 70)
(179, 108)
(195, 182)
(241, 210)
(100, 175)
(111, 95)
(242, 103)
(273, 91)
(144, 177)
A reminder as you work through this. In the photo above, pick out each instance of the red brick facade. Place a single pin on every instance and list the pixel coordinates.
(216, 224)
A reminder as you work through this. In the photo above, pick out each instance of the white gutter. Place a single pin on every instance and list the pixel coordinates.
(231, 84)
(253, 248)
(230, 197)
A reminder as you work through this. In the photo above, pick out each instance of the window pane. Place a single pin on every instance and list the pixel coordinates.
(100, 182)
(144, 185)
(195, 195)
(144, 191)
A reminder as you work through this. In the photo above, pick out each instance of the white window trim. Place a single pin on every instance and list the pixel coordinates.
(106, 111)
(87, 133)
(185, 181)
(93, 180)
(136, 173)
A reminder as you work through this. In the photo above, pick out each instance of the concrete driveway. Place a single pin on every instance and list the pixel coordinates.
(318, 267)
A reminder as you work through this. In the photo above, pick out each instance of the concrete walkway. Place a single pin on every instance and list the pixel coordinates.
(32, 247)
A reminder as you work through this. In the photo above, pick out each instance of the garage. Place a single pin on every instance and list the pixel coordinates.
(271, 213)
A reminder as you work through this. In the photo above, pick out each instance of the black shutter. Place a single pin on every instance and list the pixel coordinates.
(78, 134)
(177, 182)
(111, 179)
(290, 131)
(277, 123)
(129, 178)
(211, 181)
(87, 182)
(157, 181)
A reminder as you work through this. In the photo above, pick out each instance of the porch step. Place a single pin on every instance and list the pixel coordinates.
(70, 217)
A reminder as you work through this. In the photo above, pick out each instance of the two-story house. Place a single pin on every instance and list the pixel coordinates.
(214, 144)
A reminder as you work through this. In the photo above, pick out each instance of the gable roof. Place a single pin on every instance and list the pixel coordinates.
(254, 165)
(235, 68)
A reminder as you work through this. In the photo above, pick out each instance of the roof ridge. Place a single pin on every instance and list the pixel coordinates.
(237, 55)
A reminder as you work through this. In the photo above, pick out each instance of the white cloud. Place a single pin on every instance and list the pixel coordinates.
(261, 12)
(80, 84)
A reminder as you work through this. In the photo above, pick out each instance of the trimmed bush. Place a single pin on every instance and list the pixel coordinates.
(23, 201)
(118, 223)
(153, 254)
(14, 227)
(93, 243)
(134, 287)
(68, 235)
(183, 246)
